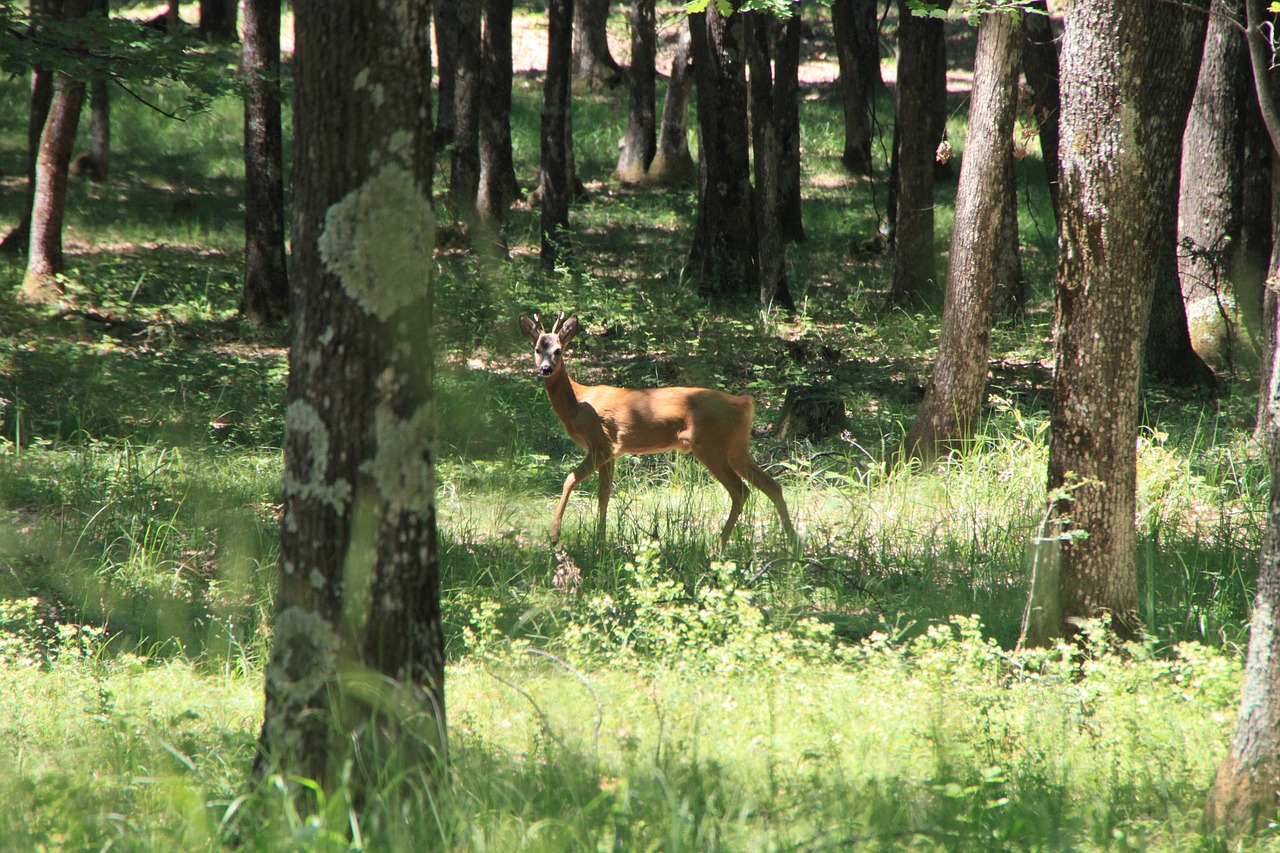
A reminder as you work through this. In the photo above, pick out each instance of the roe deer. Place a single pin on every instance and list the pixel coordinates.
(608, 422)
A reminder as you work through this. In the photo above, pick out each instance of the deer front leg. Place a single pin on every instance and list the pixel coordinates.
(582, 472)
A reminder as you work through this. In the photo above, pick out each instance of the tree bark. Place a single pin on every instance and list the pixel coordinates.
(498, 186)
(53, 165)
(1244, 792)
(858, 53)
(672, 163)
(557, 175)
(1040, 68)
(786, 99)
(594, 67)
(1265, 425)
(19, 239)
(1169, 354)
(1103, 307)
(639, 141)
(354, 686)
(1218, 283)
(218, 19)
(95, 164)
(446, 56)
(957, 387)
(266, 279)
(464, 161)
(915, 142)
(723, 258)
(767, 157)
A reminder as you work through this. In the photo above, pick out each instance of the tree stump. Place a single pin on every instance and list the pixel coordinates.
(810, 413)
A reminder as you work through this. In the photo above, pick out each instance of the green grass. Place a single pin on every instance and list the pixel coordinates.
(858, 695)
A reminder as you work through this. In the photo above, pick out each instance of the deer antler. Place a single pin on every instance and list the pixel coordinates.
(556, 328)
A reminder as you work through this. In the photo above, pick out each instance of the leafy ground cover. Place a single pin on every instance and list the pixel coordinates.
(860, 694)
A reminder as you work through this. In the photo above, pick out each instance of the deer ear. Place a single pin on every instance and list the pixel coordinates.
(568, 330)
(528, 329)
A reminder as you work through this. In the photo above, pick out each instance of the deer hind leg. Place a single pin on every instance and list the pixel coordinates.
(723, 471)
(756, 476)
(588, 467)
(605, 492)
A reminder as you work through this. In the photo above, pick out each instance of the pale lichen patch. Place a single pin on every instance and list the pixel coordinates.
(307, 478)
(378, 239)
(401, 468)
(304, 658)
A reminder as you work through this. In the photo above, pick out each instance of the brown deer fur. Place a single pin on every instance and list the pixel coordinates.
(608, 422)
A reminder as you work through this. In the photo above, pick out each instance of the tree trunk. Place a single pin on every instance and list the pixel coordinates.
(354, 685)
(266, 278)
(914, 145)
(557, 176)
(498, 185)
(723, 258)
(95, 164)
(786, 99)
(672, 163)
(1103, 306)
(594, 67)
(1271, 317)
(53, 164)
(464, 162)
(218, 20)
(767, 156)
(19, 239)
(1243, 797)
(957, 387)
(858, 52)
(1169, 354)
(1217, 286)
(446, 35)
(639, 141)
(1040, 67)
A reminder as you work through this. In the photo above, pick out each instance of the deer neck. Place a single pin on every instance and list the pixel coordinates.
(563, 393)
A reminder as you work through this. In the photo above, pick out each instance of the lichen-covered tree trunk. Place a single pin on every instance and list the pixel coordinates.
(266, 277)
(858, 54)
(594, 67)
(1221, 288)
(767, 158)
(723, 259)
(498, 185)
(639, 140)
(957, 386)
(1170, 356)
(1103, 293)
(915, 142)
(672, 162)
(355, 679)
(557, 167)
(53, 165)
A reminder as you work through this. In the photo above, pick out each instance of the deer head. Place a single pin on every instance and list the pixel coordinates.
(548, 347)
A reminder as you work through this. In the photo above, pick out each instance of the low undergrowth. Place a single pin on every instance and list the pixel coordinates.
(669, 719)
